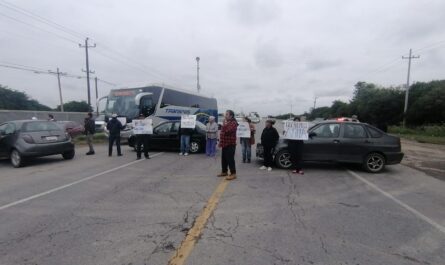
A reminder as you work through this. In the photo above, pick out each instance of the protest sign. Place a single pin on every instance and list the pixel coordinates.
(123, 120)
(188, 121)
(243, 130)
(143, 126)
(296, 130)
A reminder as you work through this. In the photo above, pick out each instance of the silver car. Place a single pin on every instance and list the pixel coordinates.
(20, 140)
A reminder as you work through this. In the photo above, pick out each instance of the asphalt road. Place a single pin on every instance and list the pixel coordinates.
(101, 210)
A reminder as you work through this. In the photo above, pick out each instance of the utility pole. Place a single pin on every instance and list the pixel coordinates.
(97, 95)
(407, 84)
(86, 46)
(290, 115)
(197, 76)
(58, 73)
(315, 102)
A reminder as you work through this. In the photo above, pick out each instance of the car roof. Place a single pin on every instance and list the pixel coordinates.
(341, 122)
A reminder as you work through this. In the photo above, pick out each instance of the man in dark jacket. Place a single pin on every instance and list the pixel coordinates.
(114, 127)
(269, 139)
(227, 142)
(90, 129)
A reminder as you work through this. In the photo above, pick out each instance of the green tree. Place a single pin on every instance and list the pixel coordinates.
(426, 103)
(16, 100)
(76, 106)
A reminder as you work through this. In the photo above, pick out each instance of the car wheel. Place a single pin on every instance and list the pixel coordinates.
(68, 155)
(282, 159)
(194, 147)
(374, 163)
(16, 158)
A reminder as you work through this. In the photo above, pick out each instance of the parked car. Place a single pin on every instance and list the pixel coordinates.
(72, 128)
(166, 137)
(99, 123)
(20, 140)
(350, 142)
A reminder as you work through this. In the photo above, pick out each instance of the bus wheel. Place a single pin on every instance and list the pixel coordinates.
(194, 147)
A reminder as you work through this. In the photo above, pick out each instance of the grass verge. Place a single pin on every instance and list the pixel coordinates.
(97, 139)
(432, 134)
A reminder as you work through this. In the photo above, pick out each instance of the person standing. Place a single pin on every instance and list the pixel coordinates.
(228, 146)
(186, 133)
(246, 143)
(51, 117)
(296, 153)
(142, 140)
(90, 130)
(269, 139)
(114, 126)
(211, 137)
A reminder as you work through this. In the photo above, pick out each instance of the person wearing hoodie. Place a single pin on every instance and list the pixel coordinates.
(269, 139)
(114, 126)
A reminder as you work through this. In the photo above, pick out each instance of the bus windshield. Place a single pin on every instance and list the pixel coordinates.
(122, 105)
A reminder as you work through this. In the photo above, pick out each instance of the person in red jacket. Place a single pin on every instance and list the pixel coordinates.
(227, 142)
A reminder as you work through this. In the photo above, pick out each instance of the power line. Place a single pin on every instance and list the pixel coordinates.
(41, 19)
(39, 28)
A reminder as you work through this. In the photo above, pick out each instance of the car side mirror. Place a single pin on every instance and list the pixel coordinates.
(312, 134)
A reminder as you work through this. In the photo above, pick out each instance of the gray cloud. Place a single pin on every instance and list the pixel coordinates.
(256, 55)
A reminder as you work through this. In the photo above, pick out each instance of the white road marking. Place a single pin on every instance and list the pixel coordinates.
(399, 202)
(71, 184)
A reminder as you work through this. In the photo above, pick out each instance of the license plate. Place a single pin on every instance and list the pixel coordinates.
(51, 138)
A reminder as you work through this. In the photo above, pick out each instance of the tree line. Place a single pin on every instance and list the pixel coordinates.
(17, 100)
(383, 106)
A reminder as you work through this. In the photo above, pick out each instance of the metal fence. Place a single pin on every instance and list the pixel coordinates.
(11, 115)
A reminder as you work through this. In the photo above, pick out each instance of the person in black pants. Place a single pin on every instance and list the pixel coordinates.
(114, 127)
(296, 153)
(269, 139)
(142, 140)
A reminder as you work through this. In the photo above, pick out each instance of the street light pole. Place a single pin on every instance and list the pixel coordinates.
(197, 76)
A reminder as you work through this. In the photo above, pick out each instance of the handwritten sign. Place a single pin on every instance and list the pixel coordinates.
(143, 126)
(296, 130)
(188, 121)
(243, 130)
(123, 120)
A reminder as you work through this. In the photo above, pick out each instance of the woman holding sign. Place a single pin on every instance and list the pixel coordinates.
(269, 139)
(246, 143)
(296, 153)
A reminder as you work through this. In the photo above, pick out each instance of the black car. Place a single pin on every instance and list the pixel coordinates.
(20, 140)
(166, 137)
(349, 142)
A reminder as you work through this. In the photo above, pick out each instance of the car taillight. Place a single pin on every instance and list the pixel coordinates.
(27, 138)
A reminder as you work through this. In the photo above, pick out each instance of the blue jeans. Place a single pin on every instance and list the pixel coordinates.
(185, 143)
(211, 147)
(246, 149)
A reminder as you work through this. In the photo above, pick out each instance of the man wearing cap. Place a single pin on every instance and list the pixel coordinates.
(114, 126)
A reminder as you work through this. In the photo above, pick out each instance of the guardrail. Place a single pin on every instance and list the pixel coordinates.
(10, 115)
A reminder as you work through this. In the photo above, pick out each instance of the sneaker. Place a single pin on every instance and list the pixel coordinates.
(181, 154)
(231, 177)
(119, 155)
(222, 175)
(263, 168)
(301, 172)
(269, 169)
(295, 171)
(186, 154)
(90, 153)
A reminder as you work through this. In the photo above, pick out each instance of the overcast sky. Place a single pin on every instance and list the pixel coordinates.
(256, 55)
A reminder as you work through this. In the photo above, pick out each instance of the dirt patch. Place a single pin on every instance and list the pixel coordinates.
(429, 158)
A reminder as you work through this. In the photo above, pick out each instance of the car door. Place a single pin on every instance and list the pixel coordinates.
(161, 136)
(6, 138)
(174, 140)
(323, 143)
(354, 143)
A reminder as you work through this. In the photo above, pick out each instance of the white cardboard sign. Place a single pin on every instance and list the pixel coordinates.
(296, 130)
(243, 130)
(188, 121)
(143, 126)
(123, 120)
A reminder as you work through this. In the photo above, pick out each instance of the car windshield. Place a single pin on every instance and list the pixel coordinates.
(38, 126)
